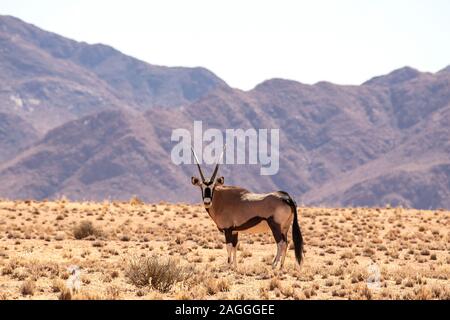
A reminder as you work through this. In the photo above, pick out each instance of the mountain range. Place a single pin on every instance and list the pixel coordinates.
(90, 123)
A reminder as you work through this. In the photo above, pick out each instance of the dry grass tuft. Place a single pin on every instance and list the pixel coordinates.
(58, 285)
(85, 229)
(155, 272)
(135, 201)
(65, 294)
(214, 286)
(27, 288)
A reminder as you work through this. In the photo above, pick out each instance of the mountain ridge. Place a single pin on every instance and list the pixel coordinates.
(100, 125)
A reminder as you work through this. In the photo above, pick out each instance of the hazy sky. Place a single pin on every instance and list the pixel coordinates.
(245, 42)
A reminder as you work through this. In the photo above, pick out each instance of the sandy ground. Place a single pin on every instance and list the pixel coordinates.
(351, 253)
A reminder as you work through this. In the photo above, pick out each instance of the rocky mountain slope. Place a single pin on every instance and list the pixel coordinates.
(48, 79)
(99, 125)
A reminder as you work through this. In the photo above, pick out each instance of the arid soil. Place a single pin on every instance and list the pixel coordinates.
(132, 250)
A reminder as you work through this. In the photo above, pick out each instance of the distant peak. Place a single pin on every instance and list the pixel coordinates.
(445, 70)
(324, 84)
(395, 77)
(8, 17)
(13, 23)
(276, 83)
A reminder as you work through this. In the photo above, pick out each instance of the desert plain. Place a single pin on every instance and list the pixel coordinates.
(134, 250)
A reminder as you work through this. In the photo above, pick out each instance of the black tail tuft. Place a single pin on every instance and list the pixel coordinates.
(296, 232)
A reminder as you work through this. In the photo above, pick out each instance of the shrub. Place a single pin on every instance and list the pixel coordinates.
(214, 286)
(160, 275)
(84, 230)
(211, 286)
(112, 293)
(65, 294)
(58, 285)
(7, 270)
(27, 288)
(223, 285)
(125, 238)
(274, 284)
(135, 201)
(86, 295)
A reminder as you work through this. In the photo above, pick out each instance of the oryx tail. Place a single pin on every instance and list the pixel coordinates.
(296, 232)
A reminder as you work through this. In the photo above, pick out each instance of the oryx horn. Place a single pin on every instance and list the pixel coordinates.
(198, 165)
(217, 164)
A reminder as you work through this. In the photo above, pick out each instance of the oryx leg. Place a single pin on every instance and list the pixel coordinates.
(229, 252)
(280, 239)
(284, 250)
(285, 229)
(231, 239)
(234, 242)
(228, 241)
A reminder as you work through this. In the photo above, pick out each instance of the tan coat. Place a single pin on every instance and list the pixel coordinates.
(234, 207)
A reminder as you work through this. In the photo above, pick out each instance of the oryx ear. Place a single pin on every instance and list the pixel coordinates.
(220, 181)
(195, 181)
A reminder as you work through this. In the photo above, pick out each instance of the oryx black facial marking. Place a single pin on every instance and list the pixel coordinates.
(207, 192)
(207, 186)
(235, 209)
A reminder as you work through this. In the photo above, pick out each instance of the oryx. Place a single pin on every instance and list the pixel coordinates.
(235, 209)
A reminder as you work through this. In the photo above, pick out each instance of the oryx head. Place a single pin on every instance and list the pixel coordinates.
(207, 185)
